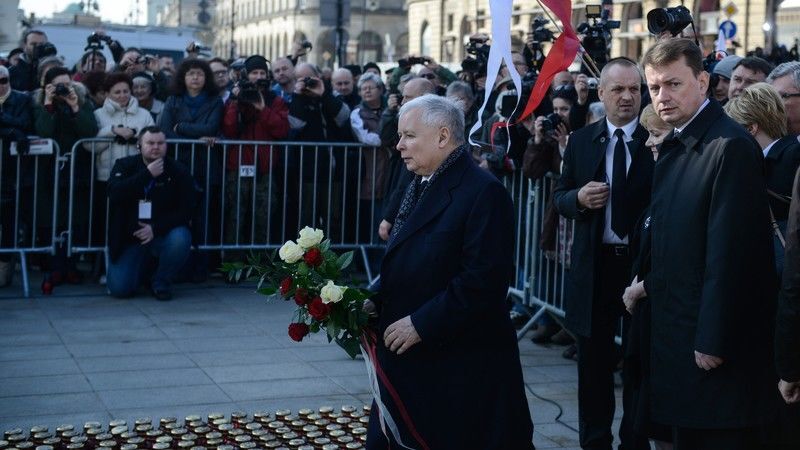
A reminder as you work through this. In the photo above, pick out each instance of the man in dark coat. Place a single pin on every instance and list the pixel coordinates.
(712, 274)
(604, 187)
(149, 214)
(445, 341)
(787, 327)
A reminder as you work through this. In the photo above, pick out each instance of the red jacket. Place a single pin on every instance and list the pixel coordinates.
(269, 124)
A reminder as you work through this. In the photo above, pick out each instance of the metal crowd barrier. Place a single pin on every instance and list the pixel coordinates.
(256, 195)
(31, 221)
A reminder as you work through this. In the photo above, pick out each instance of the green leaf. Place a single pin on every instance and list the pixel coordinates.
(350, 345)
(344, 260)
(325, 245)
(267, 290)
(302, 269)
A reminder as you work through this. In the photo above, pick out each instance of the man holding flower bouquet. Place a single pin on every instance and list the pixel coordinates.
(444, 341)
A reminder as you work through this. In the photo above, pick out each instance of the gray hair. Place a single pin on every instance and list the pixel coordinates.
(597, 109)
(788, 68)
(460, 89)
(440, 112)
(369, 76)
(4, 71)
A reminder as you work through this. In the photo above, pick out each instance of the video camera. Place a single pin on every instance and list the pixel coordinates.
(673, 19)
(539, 33)
(597, 35)
(250, 93)
(479, 49)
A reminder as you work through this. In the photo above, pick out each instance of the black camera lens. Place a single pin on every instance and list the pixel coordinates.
(310, 83)
(673, 20)
(62, 90)
(551, 122)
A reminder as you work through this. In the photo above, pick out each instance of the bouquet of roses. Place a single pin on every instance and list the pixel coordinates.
(311, 274)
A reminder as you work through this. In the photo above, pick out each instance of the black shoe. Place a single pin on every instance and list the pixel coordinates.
(571, 352)
(542, 334)
(163, 295)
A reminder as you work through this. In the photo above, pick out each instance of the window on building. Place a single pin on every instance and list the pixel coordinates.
(516, 17)
(450, 22)
(480, 19)
(425, 40)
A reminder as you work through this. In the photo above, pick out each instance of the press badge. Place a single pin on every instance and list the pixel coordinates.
(247, 171)
(145, 210)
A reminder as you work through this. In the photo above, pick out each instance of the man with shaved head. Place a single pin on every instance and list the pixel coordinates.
(399, 176)
(342, 82)
(283, 74)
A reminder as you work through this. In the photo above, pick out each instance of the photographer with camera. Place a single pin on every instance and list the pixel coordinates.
(440, 76)
(62, 112)
(131, 62)
(256, 113)
(15, 123)
(35, 46)
(91, 61)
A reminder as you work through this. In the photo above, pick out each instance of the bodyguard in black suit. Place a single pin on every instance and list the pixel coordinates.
(712, 283)
(604, 187)
(445, 340)
(787, 327)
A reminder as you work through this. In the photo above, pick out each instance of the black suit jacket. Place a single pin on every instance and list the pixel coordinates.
(449, 269)
(787, 326)
(780, 166)
(712, 284)
(584, 161)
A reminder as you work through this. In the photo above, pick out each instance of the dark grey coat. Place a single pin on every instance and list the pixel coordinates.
(712, 285)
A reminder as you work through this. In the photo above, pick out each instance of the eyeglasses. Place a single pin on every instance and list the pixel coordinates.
(3, 80)
(429, 76)
(786, 96)
(220, 73)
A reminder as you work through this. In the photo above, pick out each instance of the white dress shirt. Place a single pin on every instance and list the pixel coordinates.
(769, 147)
(609, 237)
(680, 128)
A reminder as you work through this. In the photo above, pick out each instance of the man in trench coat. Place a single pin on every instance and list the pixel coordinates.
(445, 340)
(713, 282)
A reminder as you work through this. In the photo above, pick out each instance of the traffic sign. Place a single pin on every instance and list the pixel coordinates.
(728, 29)
(730, 9)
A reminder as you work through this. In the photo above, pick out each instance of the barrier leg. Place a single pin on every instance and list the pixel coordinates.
(529, 325)
(366, 263)
(23, 269)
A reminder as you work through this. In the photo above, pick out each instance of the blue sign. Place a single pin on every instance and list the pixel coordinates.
(728, 29)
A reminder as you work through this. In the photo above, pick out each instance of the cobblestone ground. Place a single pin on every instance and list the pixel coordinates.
(80, 355)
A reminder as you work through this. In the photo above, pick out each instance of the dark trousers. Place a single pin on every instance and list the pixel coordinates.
(598, 356)
(731, 439)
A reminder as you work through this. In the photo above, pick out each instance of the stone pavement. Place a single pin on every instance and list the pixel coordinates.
(80, 355)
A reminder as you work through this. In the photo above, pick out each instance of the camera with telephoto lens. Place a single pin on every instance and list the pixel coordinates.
(410, 61)
(597, 35)
(550, 123)
(592, 83)
(62, 90)
(310, 83)
(479, 51)
(44, 50)
(673, 19)
(306, 45)
(95, 41)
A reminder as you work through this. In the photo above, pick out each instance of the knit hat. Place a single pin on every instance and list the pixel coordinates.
(371, 65)
(724, 67)
(256, 62)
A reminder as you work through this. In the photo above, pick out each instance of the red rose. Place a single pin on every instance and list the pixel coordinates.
(286, 285)
(313, 257)
(297, 331)
(301, 296)
(318, 310)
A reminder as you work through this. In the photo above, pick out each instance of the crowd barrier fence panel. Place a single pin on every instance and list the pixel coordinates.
(30, 219)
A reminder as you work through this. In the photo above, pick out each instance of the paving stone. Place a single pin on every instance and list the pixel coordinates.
(242, 357)
(140, 362)
(211, 344)
(258, 390)
(12, 369)
(162, 396)
(39, 405)
(24, 339)
(88, 323)
(261, 372)
(85, 350)
(119, 334)
(58, 384)
(104, 381)
(341, 368)
(54, 420)
(33, 352)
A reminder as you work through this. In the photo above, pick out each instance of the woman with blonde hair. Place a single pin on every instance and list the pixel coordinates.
(760, 110)
(636, 376)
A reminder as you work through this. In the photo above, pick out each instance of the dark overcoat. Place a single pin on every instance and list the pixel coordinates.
(584, 161)
(787, 327)
(712, 285)
(449, 269)
(780, 166)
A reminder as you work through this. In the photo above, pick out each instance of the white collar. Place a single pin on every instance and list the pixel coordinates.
(627, 129)
(767, 148)
(680, 128)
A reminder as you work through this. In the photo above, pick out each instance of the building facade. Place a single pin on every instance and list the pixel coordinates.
(377, 30)
(441, 28)
(9, 24)
(184, 13)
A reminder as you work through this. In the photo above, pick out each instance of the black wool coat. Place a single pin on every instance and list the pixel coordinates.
(712, 284)
(449, 269)
(787, 326)
(780, 166)
(584, 161)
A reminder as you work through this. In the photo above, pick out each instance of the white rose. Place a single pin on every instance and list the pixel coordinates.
(310, 237)
(331, 293)
(291, 252)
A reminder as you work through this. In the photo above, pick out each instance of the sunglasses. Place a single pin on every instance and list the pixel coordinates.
(3, 80)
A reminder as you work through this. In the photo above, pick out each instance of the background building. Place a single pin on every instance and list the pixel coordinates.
(377, 29)
(440, 28)
(184, 13)
(9, 24)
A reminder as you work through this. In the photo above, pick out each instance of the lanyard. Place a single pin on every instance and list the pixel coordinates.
(148, 188)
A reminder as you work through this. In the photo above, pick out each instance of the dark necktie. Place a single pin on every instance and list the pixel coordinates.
(619, 218)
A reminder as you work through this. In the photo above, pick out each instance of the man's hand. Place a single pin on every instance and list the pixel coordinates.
(49, 94)
(72, 99)
(144, 234)
(561, 134)
(582, 88)
(156, 167)
(384, 230)
(633, 293)
(401, 335)
(317, 90)
(370, 308)
(594, 195)
(123, 132)
(431, 63)
(707, 362)
(394, 102)
(790, 391)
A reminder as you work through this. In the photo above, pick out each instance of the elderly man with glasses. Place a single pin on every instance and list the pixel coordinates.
(786, 80)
